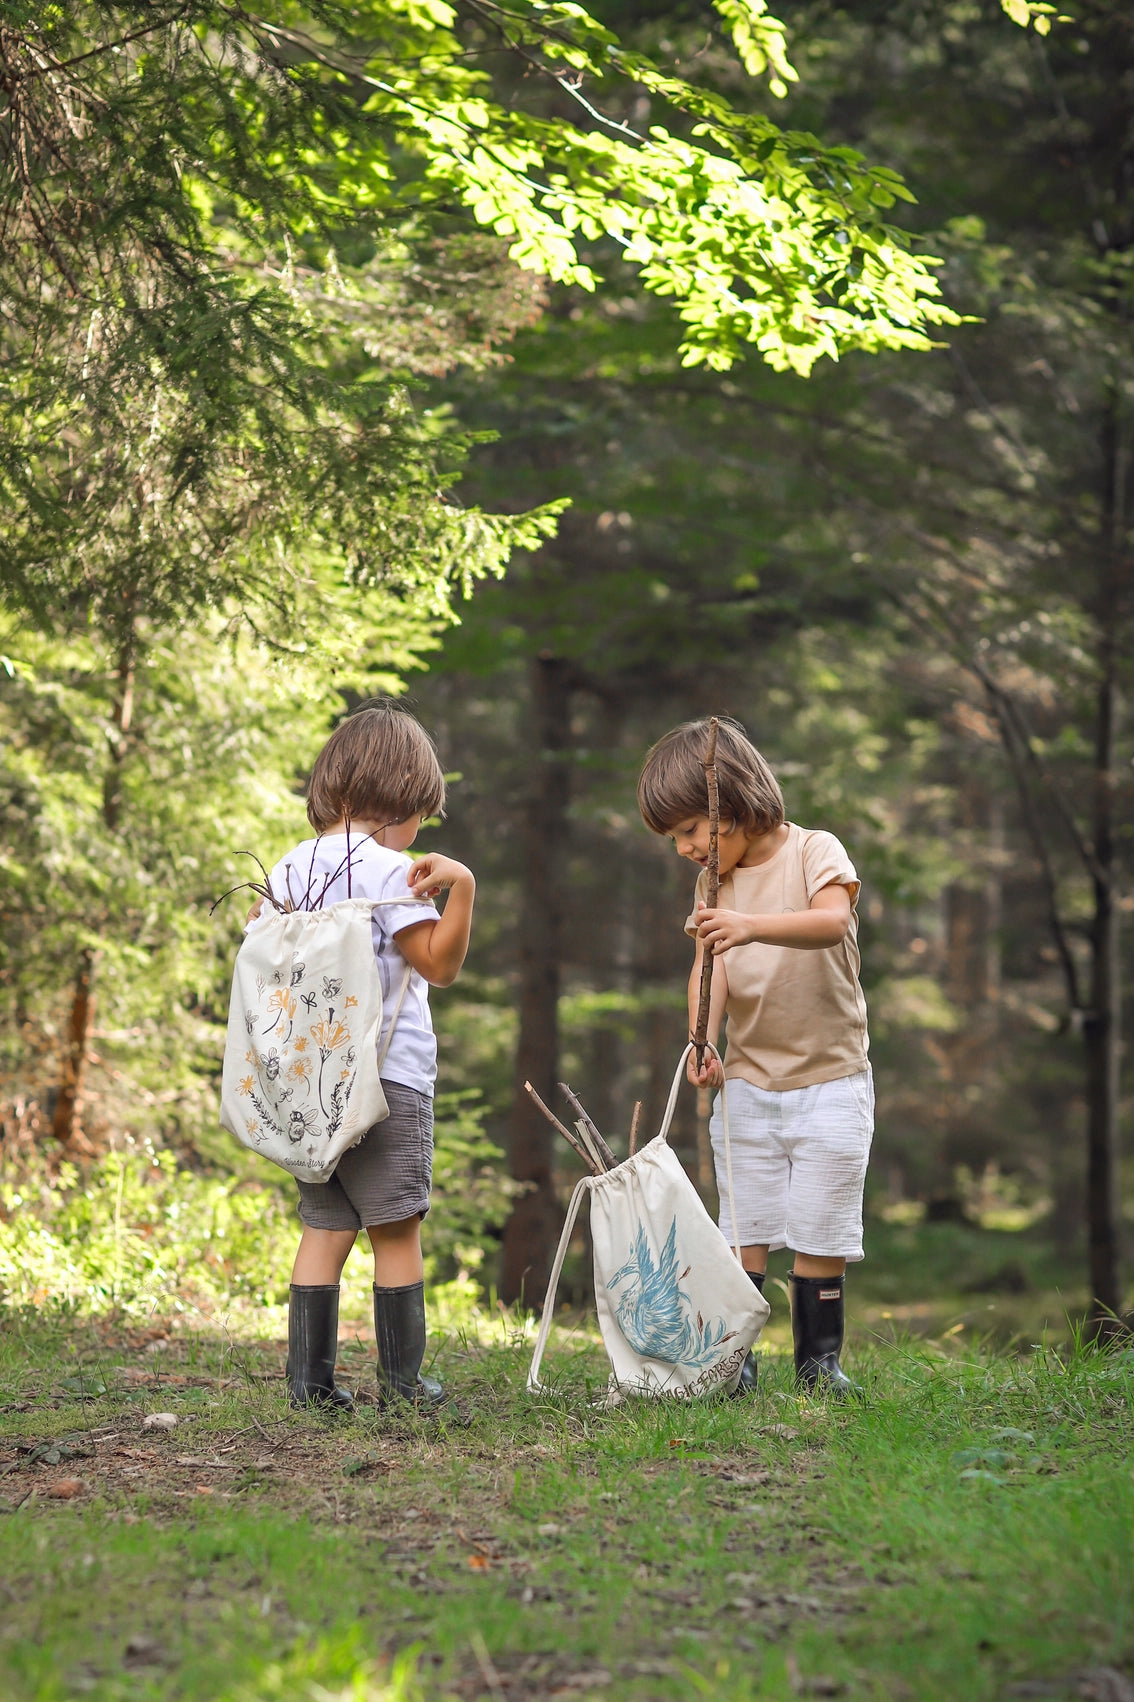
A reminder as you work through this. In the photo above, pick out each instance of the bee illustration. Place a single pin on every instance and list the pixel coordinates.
(298, 971)
(270, 1064)
(299, 1124)
(349, 1057)
(332, 986)
(250, 1020)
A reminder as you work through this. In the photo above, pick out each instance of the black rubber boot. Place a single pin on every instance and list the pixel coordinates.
(817, 1326)
(748, 1371)
(399, 1329)
(312, 1344)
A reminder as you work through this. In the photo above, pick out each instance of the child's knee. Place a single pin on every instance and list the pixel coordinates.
(406, 1229)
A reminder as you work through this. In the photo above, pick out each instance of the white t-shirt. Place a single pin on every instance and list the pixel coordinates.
(314, 875)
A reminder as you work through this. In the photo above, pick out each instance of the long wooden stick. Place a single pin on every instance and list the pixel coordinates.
(712, 884)
(634, 1127)
(584, 1116)
(568, 1135)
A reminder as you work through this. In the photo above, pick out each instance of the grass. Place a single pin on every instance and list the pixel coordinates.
(964, 1533)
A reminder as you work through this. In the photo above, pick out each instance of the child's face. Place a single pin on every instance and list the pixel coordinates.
(691, 839)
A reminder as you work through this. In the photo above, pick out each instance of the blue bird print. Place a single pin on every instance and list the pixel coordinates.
(654, 1312)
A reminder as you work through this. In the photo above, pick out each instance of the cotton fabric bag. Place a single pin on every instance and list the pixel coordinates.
(676, 1309)
(301, 1079)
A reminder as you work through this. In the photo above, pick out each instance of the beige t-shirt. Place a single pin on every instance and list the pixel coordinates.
(795, 1017)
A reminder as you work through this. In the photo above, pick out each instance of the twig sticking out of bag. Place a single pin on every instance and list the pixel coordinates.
(712, 886)
(606, 1157)
(568, 1135)
(634, 1127)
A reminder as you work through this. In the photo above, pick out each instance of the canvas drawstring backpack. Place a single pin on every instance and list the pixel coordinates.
(301, 1079)
(677, 1311)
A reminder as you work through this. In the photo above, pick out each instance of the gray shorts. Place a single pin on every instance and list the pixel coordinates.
(386, 1177)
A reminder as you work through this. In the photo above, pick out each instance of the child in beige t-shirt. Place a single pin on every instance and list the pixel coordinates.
(784, 938)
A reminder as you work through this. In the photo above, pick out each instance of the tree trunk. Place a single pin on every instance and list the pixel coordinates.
(1102, 1019)
(123, 723)
(529, 1238)
(65, 1122)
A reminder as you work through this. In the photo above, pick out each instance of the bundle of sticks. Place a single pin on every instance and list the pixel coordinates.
(586, 1140)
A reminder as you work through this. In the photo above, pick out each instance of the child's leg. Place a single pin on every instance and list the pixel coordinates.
(399, 1312)
(829, 1140)
(313, 1303)
(397, 1252)
(321, 1256)
(387, 1179)
(760, 1173)
(807, 1265)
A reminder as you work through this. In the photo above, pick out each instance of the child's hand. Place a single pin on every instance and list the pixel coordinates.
(711, 1073)
(433, 874)
(722, 929)
(254, 912)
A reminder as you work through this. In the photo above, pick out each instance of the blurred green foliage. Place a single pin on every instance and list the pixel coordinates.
(137, 1232)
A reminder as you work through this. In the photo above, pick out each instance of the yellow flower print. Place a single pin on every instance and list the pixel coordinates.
(252, 1125)
(281, 1000)
(301, 1044)
(350, 1000)
(329, 1036)
(245, 1087)
(299, 1069)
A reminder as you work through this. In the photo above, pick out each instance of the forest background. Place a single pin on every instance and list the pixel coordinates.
(907, 572)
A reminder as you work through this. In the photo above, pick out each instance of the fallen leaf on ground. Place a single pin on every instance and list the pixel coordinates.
(548, 1530)
(479, 1563)
(159, 1421)
(65, 1489)
(784, 1431)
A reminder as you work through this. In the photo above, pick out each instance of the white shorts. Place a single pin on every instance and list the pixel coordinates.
(798, 1164)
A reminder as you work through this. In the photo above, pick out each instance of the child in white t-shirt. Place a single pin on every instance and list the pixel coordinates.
(783, 935)
(372, 784)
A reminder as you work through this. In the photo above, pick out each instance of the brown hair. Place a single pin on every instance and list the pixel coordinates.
(672, 787)
(378, 765)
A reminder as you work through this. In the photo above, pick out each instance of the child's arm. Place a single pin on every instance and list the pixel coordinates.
(710, 1074)
(824, 924)
(437, 949)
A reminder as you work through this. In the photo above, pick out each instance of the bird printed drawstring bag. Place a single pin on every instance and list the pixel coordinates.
(676, 1309)
(301, 1078)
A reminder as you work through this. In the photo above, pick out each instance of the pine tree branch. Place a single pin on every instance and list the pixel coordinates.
(106, 47)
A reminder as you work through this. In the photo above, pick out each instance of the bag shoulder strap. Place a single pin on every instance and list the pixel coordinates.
(403, 988)
(398, 1003)
(581, 1187)
(671, 1106)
